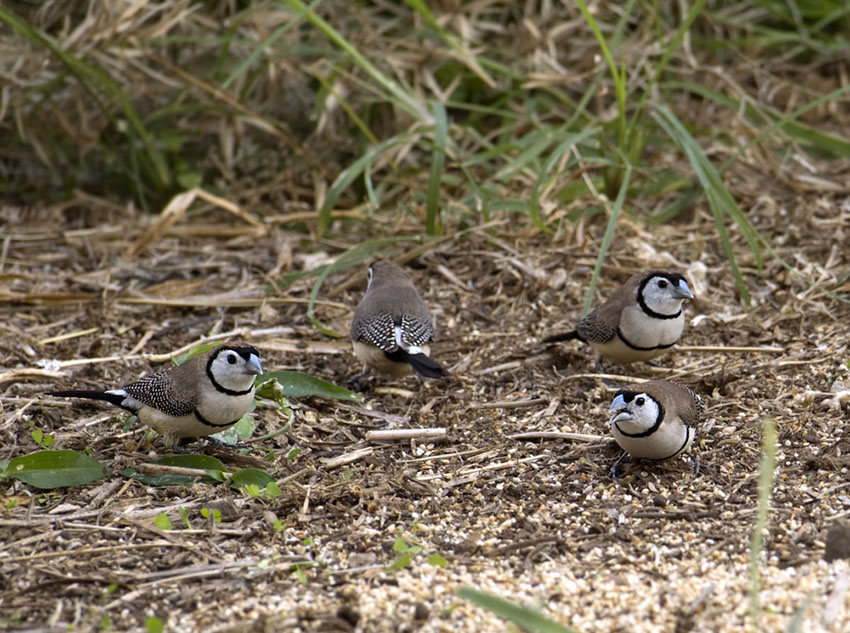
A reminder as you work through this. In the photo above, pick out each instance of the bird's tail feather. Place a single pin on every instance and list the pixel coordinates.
(566, 336)
(423, 365)
(91, 394)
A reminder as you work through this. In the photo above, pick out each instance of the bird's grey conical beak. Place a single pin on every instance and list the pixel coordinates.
(254, 365)
(620, 417)
(683, 291)
(618, 403)
(619, 407)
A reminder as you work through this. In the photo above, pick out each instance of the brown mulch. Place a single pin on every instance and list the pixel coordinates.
(537, 521)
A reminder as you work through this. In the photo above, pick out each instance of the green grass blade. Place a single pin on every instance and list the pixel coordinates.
(467, 58)
(346, 177)
(608, 236)
(765, 488)
(93, 81)
(266, 44)
(828, 143)
(404, 100)
(618, 77)
(523, 617)
(352, 257)
(719, 198)
(438, 160)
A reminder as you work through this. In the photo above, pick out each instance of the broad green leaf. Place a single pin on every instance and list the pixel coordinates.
(154, 625)
(203, 462)
(401, 562)
(523, 617)
(296, 384)
(400, 545)
(438, 560)
(248, 476)
(162, 522)
(55, 469)
(195, 351)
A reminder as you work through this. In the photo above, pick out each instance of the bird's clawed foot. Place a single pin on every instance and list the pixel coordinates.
(616, 472)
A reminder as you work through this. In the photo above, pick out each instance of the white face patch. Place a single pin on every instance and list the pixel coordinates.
(230, 370)
(663, 296)
(636, 415)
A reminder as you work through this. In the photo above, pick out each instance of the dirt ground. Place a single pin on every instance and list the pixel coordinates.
(534, 520)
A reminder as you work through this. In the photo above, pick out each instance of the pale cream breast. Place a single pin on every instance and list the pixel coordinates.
(641, 330)
(670, 439)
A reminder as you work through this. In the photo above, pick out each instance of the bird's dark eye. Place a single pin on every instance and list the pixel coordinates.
(231, 358)
(662, 283)
(639, 401)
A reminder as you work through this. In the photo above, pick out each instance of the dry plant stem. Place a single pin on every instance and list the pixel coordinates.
(509, 404)
(405, 434)
(556, 435)
(349, 458)
(728, 349)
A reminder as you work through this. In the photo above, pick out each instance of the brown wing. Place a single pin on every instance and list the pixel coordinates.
(688, 404)
(600, 325)
(173, 391)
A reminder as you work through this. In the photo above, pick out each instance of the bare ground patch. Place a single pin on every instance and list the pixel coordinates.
(537, 521)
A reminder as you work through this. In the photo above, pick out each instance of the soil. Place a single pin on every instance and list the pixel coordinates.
(536, 520)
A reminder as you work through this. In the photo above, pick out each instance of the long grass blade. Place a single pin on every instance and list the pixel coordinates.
(352, 257)
(618, 77)
(346, 177)
(719, 198)
(402, 98)
(438, 160)
(829, 143)
(765, 488)
(608, 236)
(527, 619)
(92, 80)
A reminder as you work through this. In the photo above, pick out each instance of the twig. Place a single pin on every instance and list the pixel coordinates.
(556, 435)
(405, 434)
(508, 404)
(731, 348)
(347, 458)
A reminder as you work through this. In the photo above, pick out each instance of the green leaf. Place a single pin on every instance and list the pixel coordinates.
(251, 477)
(195, 351)
(400, 562)
(162, 521)
(767, 470)
(202, 462)
(55, 469)
(215, 513)
(184, 516)
(523, 617)
(296, 384)
(154, 625)
(437, 560)
(400, 545)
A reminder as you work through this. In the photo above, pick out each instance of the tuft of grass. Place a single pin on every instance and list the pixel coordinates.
(407, 111)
